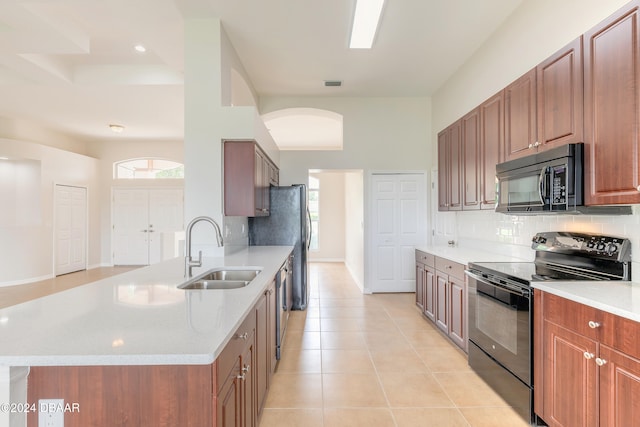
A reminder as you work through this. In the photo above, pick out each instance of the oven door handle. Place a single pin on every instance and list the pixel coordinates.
(504, 286)
(542, 183)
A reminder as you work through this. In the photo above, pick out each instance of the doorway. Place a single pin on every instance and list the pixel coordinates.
(70, 229)
(398, 218)
(147, 223)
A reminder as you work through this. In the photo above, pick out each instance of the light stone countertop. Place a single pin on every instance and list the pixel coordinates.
(617, 297)
(136, 318)
(464, 255)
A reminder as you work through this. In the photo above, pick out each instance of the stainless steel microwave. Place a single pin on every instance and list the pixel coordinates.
(550, 181)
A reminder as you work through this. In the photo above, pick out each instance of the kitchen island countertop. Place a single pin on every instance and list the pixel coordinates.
(136, 318)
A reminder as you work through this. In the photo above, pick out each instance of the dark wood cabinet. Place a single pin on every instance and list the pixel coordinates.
(248, 173)
(450, 168)
(471, 165)
(520, 117)
(587, 366)
(491, 143)
(265, 344)
(612, 109)
(441, 295)
(560, 89)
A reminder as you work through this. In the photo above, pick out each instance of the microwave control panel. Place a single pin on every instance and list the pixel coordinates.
(559, 185)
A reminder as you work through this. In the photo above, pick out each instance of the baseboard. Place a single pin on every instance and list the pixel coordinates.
(26, 281)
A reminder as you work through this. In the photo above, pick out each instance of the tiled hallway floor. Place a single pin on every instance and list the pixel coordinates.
(375, 361)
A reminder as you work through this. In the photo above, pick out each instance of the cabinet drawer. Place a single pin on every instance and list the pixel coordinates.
(234, 349)
(449, 267)
(621, 334)
(425, 258)
(575, 316)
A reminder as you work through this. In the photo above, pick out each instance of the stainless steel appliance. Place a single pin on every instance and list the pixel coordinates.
(287, 224)
(284, 281)
(550, 181)
(501, 305)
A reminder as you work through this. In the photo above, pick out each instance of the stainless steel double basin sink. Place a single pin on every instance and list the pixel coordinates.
(222, 278)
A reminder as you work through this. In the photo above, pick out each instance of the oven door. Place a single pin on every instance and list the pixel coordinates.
(500, 318)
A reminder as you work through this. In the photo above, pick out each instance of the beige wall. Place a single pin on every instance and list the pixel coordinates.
(354, 225)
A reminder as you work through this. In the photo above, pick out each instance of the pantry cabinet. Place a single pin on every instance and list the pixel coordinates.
(441, 295)
(612, 109)
(248, 173)
(586, 364)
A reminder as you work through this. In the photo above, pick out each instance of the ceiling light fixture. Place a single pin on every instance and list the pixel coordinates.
(4, 158)
(140, 48)
(365, 23)
(116, 128)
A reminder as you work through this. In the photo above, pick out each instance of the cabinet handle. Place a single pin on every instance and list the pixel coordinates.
(638, 188)
(593, 325)
(246, 368)
(588, 355)
(537, 144)
(530, 145)
(243, 336)
(600, 362)
(241, 377)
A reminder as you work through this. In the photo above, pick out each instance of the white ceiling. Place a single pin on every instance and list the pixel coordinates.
(70, 64)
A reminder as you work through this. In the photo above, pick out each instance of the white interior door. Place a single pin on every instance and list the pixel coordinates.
(398, 225)
(141, 217)
(70, 229)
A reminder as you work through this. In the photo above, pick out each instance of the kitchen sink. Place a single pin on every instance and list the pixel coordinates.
(221, 279)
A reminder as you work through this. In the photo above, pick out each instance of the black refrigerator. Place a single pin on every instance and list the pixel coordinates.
(289, 224)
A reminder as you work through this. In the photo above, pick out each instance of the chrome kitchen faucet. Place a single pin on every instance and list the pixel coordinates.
(189, 263)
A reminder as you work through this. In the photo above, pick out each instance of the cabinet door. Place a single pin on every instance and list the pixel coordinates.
(229, 401)
(458, 309)
(491, 142)
(442, 303)
(249, 406)
(570, 383)
(263, 350)
(612, 109)
(619, 388)
(471, 160)
(430, 293)
(259, 184)
(420, 286)
(560, 97)
(271, 320)
(443, 170)
(520, 116)
(455, 167)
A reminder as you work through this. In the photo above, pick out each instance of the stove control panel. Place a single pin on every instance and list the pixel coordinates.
(589, 245)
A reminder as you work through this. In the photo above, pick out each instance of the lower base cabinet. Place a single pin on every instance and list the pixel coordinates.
(586, 365)
(441, 295)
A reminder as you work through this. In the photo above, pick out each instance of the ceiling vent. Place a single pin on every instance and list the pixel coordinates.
(333, 83)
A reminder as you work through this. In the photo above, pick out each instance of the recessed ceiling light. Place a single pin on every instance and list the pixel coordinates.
(140, 48)
(365, 23)
(116, 128)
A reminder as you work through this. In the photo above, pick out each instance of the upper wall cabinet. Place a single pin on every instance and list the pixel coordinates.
(248, 173)
(471, 165)
(544, 108)
(520, 116)
(491, 143)
(449, 168)
(560, 97)
(612, 109)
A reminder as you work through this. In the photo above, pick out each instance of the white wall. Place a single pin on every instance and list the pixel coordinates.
(536, 30)
(354, 226)
(331, 237)
(26, 238)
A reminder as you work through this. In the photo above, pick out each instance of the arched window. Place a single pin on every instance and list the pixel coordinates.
(148, 169)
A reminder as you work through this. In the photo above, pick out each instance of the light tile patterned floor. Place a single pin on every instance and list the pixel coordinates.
(375, 361)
